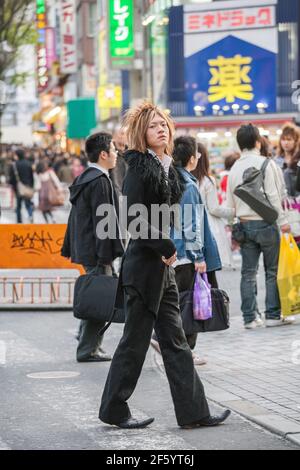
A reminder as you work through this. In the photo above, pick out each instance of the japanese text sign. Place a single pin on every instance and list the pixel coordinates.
(230, 57)
(229, 20)
(68, 58)
(41, 51)
(231, 73)
(121, 29)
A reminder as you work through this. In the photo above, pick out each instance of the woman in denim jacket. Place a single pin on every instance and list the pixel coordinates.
(196, 247)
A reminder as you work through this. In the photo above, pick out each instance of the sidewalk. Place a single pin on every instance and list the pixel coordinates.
(254, 373)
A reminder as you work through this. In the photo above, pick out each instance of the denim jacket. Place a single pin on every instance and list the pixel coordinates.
(194, 240)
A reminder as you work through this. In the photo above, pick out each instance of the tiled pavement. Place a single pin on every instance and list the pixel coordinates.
(255, 373)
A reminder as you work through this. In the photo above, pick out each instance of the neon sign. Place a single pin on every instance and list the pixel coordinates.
(41, 24)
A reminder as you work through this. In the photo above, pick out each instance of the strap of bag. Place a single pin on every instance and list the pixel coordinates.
(114, 311)
(264, 166)
(263, 171)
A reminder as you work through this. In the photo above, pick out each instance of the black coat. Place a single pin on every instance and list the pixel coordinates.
(142, 268)
(81, 243)
(25, 173)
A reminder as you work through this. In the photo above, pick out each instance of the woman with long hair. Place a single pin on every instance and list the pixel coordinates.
(49, 183)
(288, 145)
(216, 214)
(148, 280)
(203, 255)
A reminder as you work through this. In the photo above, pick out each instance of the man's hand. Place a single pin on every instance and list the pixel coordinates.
(200, 267)
(285, 228)
(171, 260)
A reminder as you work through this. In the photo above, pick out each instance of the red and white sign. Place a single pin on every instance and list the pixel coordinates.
(68, 55)
(230, 19)
(50, 47)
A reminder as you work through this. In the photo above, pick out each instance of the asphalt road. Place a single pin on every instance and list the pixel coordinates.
(48, 401)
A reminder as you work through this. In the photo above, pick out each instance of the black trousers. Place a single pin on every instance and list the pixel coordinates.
(89, 340)
(186, 388)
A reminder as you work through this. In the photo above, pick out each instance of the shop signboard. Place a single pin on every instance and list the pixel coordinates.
(109, 91)
(68, 52)
(50, 47)
(121, 31)
(158, 48)
(110, 96)
(41, 48)
(81, 116)
(231, 57)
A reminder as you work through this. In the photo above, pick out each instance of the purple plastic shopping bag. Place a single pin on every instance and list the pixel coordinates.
(202, 307)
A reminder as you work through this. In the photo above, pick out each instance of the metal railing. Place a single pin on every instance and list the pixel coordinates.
(37, 290)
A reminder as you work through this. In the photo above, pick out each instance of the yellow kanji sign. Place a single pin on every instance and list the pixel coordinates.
(110, 96)
(230, 79)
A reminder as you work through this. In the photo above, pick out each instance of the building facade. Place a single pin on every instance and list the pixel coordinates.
(215, 64)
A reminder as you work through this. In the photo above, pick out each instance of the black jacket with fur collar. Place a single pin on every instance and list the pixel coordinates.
(146, 184)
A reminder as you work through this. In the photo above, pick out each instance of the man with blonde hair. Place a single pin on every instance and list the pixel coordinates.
(148, 279)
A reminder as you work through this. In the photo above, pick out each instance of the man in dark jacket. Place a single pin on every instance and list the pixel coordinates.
(22, 170)
(82, 243)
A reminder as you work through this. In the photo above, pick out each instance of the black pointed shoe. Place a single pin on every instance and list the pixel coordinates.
(209, 421)
(133, 423)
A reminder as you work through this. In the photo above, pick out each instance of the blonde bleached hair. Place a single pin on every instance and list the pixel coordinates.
(137, 121)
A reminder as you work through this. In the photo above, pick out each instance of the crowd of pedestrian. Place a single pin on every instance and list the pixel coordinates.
(49, 173)
(44, 171)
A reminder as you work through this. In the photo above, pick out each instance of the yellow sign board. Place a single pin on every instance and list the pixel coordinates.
(32, 246)
(110, 96)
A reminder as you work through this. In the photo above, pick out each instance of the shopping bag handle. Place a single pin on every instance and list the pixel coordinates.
(291, 240)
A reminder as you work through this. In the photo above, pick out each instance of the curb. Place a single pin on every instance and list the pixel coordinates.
(34, 307)
(276, 424)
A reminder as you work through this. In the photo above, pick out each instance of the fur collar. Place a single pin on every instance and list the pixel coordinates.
(152, 173)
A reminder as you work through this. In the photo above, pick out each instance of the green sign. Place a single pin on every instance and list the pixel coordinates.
(121, 29)
(81, 114)
(40, 7)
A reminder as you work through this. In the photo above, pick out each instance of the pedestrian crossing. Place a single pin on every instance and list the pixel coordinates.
(16, 350)
(81, 410)
(62, 412)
